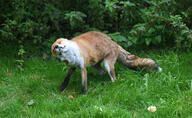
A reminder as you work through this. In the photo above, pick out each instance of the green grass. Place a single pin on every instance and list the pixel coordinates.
(129, 96)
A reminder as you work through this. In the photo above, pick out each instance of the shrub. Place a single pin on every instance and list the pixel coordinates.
(36, 24)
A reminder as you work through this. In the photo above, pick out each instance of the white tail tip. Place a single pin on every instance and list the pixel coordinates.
(160, 69)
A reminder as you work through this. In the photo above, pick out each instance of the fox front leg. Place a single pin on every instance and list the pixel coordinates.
(67, 78)
(84, 80)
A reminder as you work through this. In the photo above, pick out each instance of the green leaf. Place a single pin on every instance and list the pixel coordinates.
(121, 38)
(160, 27)
(74, 17)
(158, 38)
(133, 39)
(147, 41)
(184, 32)
(129, 43)
(117, 37)
(151, 30)
(127, 3)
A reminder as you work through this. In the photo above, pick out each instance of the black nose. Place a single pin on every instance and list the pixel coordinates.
(56, 46)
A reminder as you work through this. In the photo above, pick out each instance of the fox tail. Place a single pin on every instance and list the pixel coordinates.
(133, 62)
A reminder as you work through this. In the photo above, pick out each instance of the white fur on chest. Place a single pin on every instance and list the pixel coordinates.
(71, 53)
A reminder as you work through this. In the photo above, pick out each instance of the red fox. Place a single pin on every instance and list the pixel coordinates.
(91, 48)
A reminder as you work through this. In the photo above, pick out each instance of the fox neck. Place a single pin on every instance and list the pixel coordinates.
(72, 55)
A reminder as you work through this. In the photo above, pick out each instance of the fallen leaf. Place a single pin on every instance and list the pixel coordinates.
(99, 108)
(44, 57)
(24, 110)
(31, 102)
(9, 73)
(34, 76)
(134, 114)
(152, 108)
(70, 96)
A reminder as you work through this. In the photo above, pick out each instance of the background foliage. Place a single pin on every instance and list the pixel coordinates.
(29, 86)
(29, 25)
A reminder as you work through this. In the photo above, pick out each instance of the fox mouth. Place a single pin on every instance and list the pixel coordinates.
(58, 51)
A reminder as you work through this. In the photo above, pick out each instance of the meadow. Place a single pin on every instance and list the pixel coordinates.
(34, 92)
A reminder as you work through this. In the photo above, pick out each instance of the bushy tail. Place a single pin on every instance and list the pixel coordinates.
(134, 62)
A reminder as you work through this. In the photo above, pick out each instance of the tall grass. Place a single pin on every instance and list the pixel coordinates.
(34, 91)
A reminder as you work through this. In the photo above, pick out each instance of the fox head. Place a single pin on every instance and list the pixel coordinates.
(59, 47)
(67, 51)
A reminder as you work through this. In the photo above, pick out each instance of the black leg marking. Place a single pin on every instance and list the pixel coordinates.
(84, 80)
(67, 78)
(84, 89)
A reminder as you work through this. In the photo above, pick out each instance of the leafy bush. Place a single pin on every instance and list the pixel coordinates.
(75, 18)
(34, 25)
(160, 27)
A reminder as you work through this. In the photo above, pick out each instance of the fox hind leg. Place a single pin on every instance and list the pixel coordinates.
(99, 68)
(109, 66)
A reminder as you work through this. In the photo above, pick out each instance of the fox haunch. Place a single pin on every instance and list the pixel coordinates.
(91, 48)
